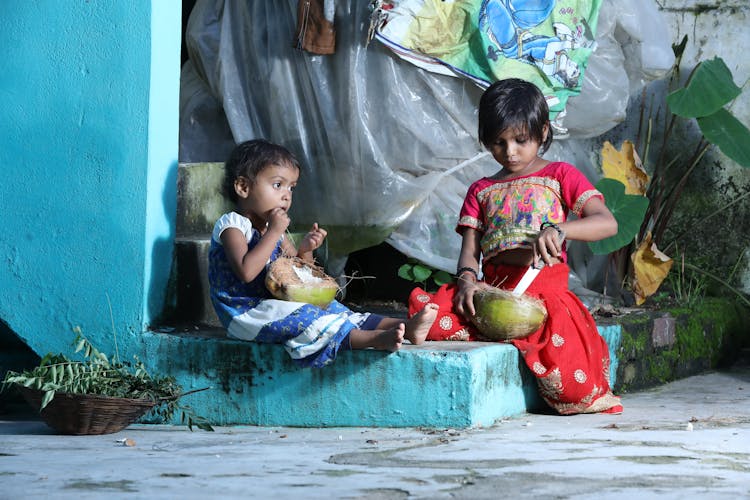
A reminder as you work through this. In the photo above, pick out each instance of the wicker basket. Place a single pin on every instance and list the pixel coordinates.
(84, 414)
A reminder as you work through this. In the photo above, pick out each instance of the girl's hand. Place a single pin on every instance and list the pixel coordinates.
(312, 240)
(463, 301)
(278, 221)
(548, 247)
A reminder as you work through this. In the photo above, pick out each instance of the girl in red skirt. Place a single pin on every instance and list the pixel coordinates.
(519, 217)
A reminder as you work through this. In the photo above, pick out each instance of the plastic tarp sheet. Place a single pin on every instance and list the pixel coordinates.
(388, 149)
(546, 42)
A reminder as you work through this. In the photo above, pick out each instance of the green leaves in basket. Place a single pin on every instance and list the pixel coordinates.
(48, 395)
(97, 375)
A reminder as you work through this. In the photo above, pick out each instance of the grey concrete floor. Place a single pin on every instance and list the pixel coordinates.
(686, 439)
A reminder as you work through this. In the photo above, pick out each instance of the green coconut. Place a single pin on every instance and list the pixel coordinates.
(500, 315)
(293, 279)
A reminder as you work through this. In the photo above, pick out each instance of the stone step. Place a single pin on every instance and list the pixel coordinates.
(189, 284)
(199, 205)
(437, 384)
(199, 199)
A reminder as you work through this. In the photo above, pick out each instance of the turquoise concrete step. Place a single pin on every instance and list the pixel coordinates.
(437, 384)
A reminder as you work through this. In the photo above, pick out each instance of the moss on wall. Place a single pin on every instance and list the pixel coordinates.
(707, 336)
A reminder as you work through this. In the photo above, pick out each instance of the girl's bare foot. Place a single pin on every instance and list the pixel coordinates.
(419, 325)
(382, 340)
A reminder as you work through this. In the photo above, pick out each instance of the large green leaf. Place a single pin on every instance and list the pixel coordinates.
(628, 209)
(710, 87)
(731, 136)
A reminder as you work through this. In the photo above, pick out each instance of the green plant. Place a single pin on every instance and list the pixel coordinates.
(723, 282)
(628, 210)
(421, 273)
(689, 287)
(98, 375)
(710, 88)
(705, 99)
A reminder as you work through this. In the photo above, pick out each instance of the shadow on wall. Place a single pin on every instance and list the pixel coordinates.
(14, 355)
(162, 252)
(374, 275)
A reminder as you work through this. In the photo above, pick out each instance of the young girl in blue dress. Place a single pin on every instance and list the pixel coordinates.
(260, 178)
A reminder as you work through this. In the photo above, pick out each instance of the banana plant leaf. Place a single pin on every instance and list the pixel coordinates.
(709, 89)
(628, 209)
(729, 134)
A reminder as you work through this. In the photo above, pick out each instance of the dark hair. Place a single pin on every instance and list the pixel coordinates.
(514, 103)
(249, 158)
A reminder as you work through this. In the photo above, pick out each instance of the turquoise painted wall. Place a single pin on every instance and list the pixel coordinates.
(88, 151)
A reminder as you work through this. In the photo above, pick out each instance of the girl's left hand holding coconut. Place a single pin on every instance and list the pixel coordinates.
(468, 285)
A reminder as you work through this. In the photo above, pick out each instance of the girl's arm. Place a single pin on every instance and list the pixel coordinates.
(247, 264)
(596, 223)
(463, 302)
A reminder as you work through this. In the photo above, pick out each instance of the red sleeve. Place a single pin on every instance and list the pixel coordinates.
(576, 188)
(471, 215)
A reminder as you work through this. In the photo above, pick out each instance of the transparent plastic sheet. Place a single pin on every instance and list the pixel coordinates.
(633, 48)
(203, 124)
(372, 133)
(376, 135)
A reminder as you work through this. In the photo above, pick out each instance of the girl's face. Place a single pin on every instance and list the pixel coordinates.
(272, 188)
(515, 149)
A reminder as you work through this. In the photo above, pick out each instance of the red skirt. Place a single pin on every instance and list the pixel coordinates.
(567, 355)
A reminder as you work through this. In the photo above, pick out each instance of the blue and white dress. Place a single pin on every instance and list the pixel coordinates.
(311, 335)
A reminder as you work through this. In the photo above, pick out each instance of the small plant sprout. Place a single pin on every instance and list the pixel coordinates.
(418, 272)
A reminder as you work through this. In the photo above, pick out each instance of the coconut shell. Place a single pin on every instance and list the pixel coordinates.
(500, 315)
(293, 279)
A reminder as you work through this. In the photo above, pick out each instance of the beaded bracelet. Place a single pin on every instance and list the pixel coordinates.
(546, 224)
(462, 270)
